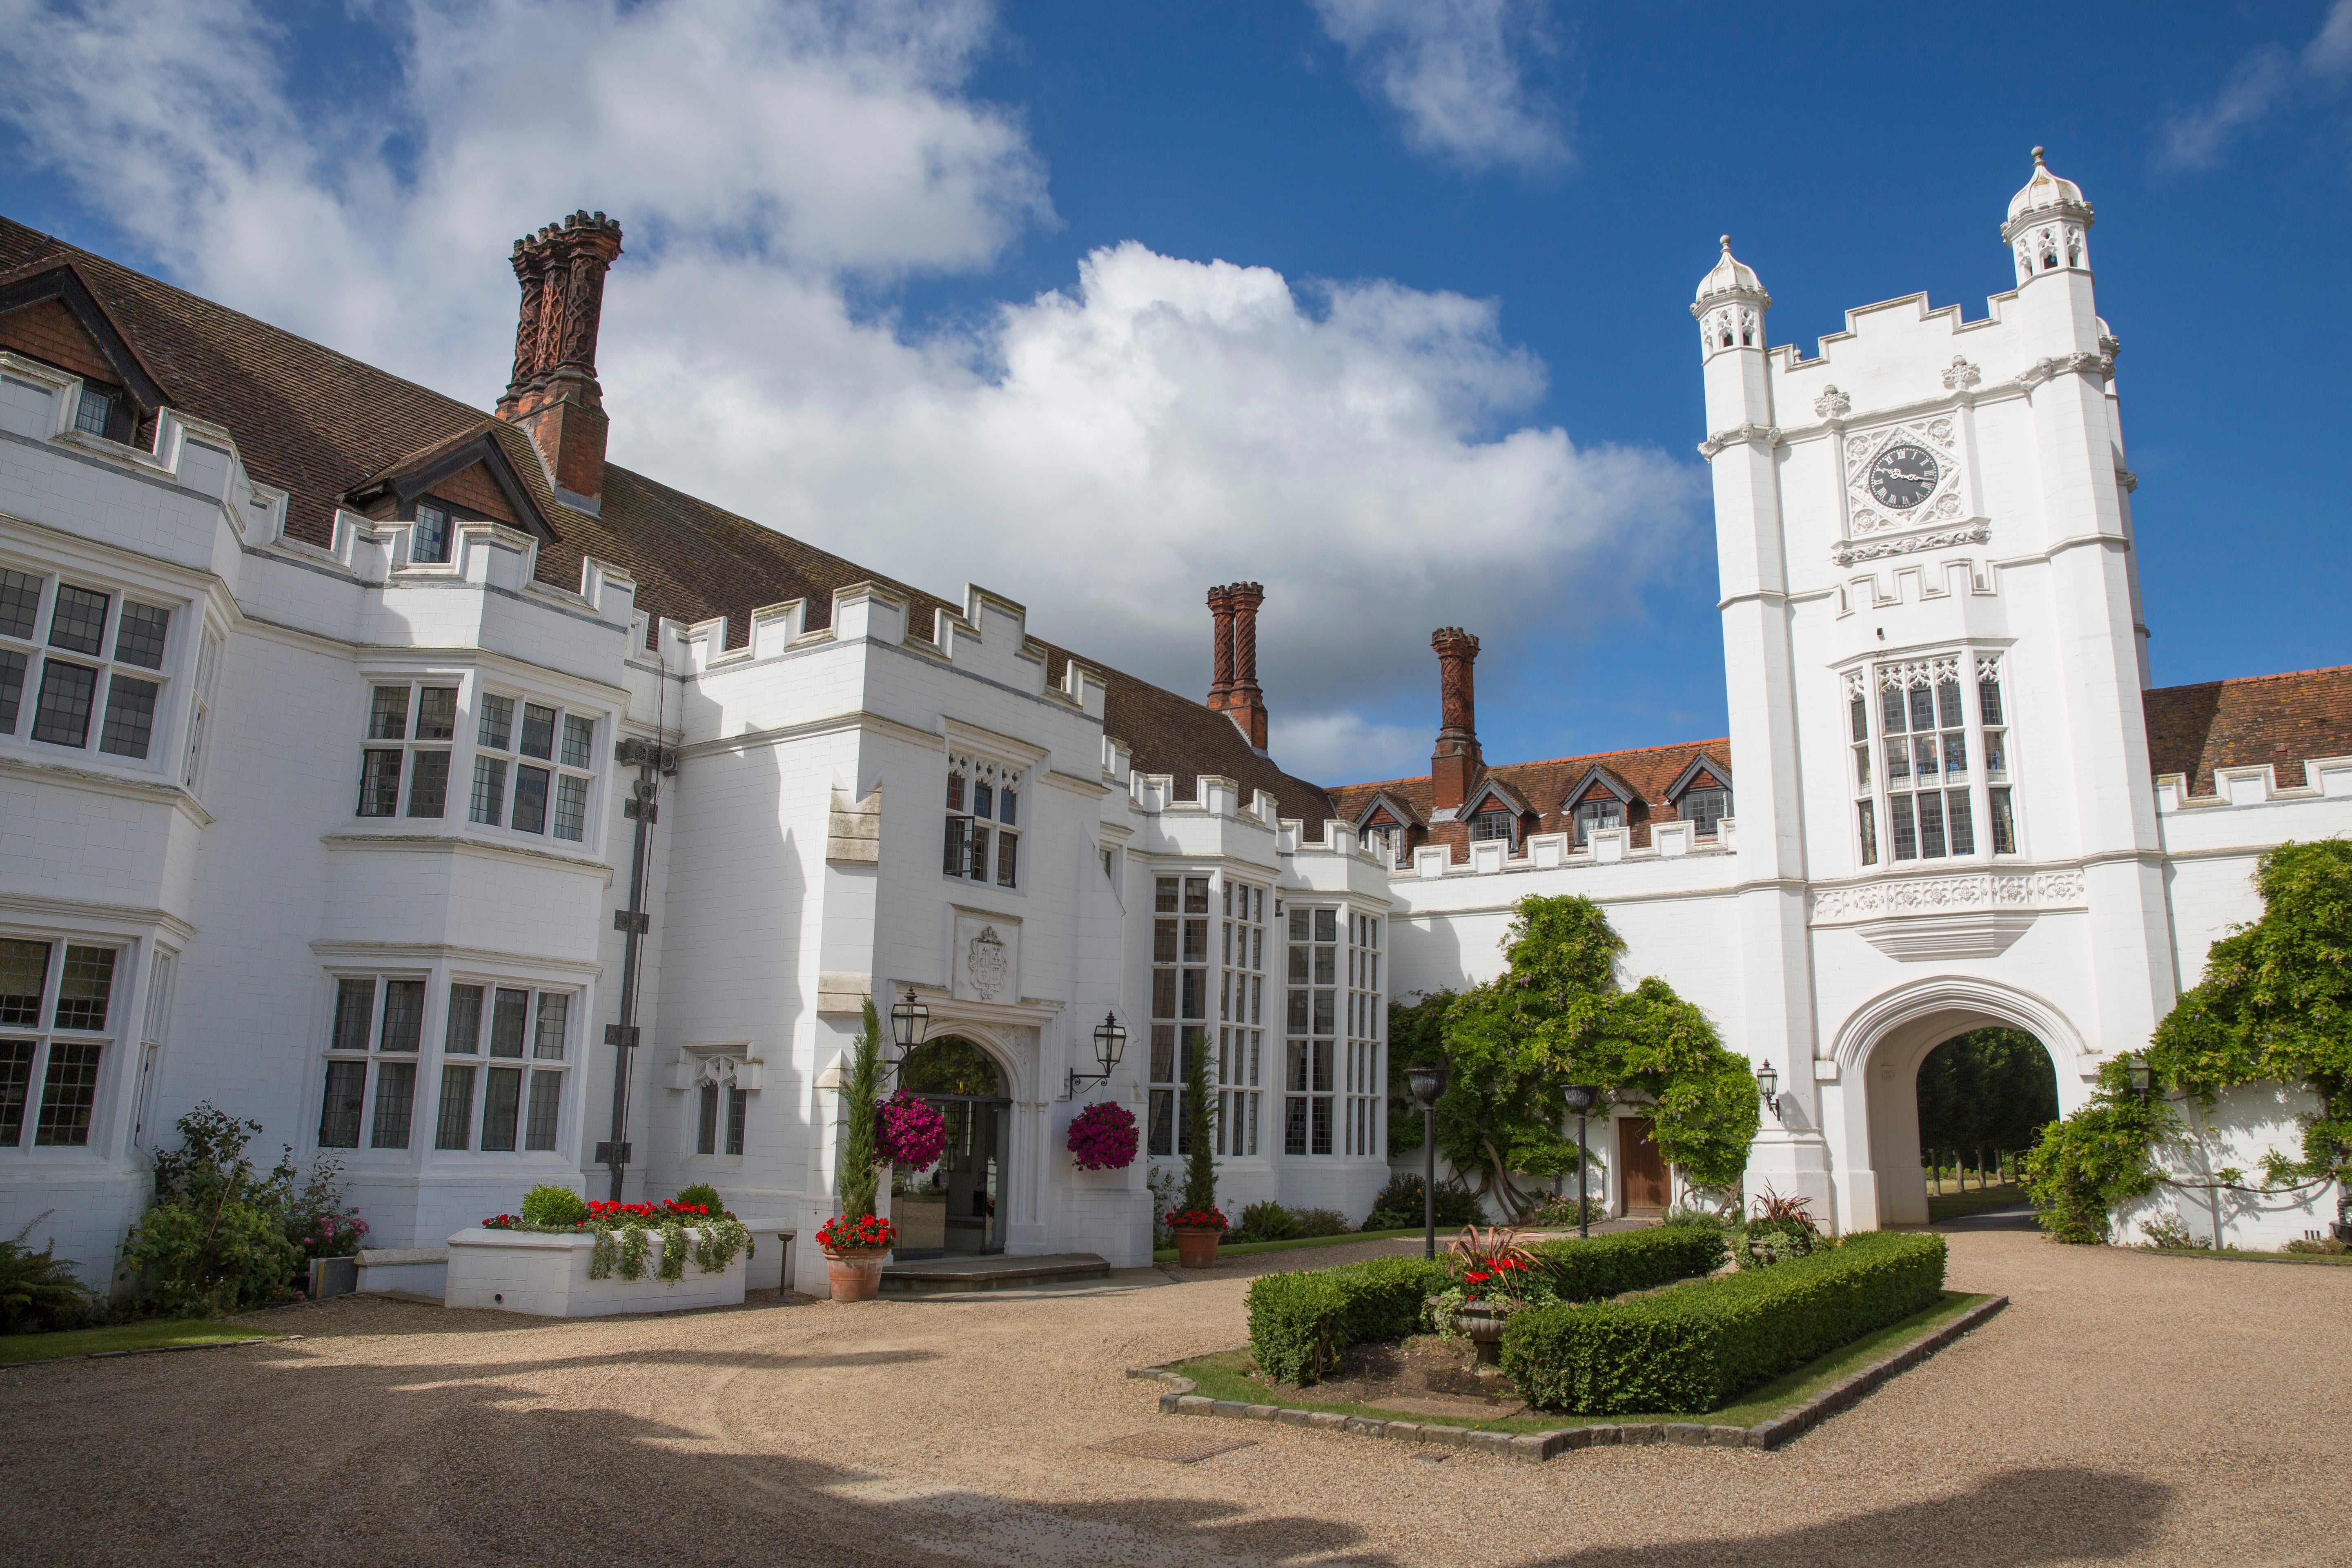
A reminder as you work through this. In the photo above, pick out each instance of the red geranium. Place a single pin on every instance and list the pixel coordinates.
(1195, 1219)
(841, 1233)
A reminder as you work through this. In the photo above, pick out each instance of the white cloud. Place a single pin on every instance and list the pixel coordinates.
(1455, 70)
(1102, 453)
(2256, 86)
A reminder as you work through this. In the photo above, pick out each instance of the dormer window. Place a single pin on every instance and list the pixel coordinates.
(1705, 807)
(1596, 814)
(96, 412)
(429, 540)
(1490, 824)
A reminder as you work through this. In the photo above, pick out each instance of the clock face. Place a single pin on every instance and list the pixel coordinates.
(1904, 476)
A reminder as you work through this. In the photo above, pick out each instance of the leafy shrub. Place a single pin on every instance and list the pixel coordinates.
(1322, 1222)
(1782, 1228)
(1697, 1347)
(1399, 1205)
(39, 1290)
(315, 1216)
(1302, 1324)
(1162, 1181)
(701, 1193)
(2327, 1244)
(2168, 1232)
(2099, 1159)
(548, 1203)
(1559, 1213)
(215, 1238)
(1269, 1221)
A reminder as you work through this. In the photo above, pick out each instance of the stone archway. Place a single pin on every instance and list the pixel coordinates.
(1874, 1131)
(959, 1204)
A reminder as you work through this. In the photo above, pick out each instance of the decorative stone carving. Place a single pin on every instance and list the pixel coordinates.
(987, 957)
(1832, 403)
(1961, 375)
(984, 964)
(1846, 553)
(2100, 365)
(2129, 480)
(1942, 895)
(1765, 436)
(1866, 515)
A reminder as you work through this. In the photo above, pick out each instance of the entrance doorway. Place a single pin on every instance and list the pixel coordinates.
(1641, 1168)
(953, 1206)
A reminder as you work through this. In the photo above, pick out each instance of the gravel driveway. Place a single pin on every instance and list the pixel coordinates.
(2127, 1408)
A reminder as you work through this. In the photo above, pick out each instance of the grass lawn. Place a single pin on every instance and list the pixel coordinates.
(147, 1336)
(1223, 1376)
(1237, 1249)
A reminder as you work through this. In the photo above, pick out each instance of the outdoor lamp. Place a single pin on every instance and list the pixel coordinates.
(1767, 1084)
(1427, 1084)
(1582, 1098)
(908, 1020)
(1110, 1044)
(2140, 1075)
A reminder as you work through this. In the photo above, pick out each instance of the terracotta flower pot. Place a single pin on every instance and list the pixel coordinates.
(1196, 1247)
(855, 1273)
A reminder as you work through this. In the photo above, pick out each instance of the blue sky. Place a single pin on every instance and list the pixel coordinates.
(934, 285)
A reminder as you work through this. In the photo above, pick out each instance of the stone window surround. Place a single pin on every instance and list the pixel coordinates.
(34, 648)
(45, 1036)
(474, 682)
(1972, 662)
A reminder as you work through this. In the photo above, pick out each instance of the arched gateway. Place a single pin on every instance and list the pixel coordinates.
(1872, 1109)
(955, 1204)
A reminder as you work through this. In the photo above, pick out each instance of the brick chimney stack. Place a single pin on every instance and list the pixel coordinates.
(553, 392)
(1245, 704)
(1221, 683)
(1455, 765)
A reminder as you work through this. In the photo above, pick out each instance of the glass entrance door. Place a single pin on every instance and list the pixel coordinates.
(954, 1206)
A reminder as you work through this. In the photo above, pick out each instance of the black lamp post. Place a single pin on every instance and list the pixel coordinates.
(1427, 1084)
(2141, 1077)
(1110, 1044)
(1767, 1084)
(1582, 1098)
(908, 1020)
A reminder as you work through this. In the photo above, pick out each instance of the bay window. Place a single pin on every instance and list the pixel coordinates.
(56, 1000)
(1928, 748)
(80, 668)
(501, 1064)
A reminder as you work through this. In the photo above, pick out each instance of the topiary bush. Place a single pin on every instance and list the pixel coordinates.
(1301, 1323)
(1322, 1222)
(1399, 1205)
(548, 1203)
(1269, 1221)
(701, 1193)
(1698, 1347)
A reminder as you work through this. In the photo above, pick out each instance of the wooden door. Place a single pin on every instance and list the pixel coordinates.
(1641, 1170)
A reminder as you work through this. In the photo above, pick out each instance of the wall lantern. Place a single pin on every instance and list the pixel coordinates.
(2141, 1077)
(1767, 1085)
(1110, 1044)
(908, 1020)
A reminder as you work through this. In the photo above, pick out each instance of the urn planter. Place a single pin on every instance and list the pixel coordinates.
(1196, 1247)
(547, 1274)
(855, 1273)
(1483, 1325)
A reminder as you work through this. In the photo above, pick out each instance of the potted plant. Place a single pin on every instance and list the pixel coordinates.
(1196, 1221)
(1494, 1277)
(856, 1240)
(1102, 1138)
(1782, 1228)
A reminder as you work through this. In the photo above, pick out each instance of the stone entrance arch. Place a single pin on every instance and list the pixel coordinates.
(1875, 1106)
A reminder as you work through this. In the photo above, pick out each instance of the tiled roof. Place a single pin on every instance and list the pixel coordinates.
(317, 425)
(1648, 771)
(2278, 719)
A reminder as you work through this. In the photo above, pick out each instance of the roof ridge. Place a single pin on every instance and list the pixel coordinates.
(2248, 679)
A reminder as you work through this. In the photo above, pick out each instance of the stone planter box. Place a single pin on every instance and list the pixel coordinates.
(547, 1275)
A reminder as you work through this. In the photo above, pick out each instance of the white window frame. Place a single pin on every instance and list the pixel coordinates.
(479, 749)
(406, 745)
(1178, 1007)
(549, 1048)
(1313, 940)
(1989, 791)
(1240, 1015)
(45, 1034)
(1363, 1134)
(32, 644)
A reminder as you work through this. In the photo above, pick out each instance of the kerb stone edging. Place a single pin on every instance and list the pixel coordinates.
(1534, 1448)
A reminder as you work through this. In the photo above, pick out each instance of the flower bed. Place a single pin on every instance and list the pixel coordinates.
(1698, 1346)
(622, 1236)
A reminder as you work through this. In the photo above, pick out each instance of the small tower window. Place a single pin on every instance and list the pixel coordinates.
(1491, 825)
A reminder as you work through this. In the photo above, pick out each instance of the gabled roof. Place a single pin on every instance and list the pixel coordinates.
(1719, 771)
(1493, 787)
(1646, 773)
(2282, 720)
(411, 476)
(1599, 774)
(319, 425)
(61, 281)
(1397, 806)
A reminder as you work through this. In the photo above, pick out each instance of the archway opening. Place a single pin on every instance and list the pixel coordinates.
(953, 1206)
(1983, 1099)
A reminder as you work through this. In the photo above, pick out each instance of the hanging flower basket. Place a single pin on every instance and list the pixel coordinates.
(1103, 1138)
(909, 1131)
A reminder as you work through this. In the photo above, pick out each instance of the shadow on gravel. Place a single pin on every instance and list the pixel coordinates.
(2018, 1519)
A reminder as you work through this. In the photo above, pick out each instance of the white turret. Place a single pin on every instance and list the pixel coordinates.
(2047, 225)
(1730, 306)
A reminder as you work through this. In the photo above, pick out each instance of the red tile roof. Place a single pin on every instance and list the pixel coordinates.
(319, 425)
(2279, 718)
(1647, 770)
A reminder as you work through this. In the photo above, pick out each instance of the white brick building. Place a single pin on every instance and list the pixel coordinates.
(327, 705)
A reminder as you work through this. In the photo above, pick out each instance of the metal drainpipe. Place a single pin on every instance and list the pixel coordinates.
(652, 760)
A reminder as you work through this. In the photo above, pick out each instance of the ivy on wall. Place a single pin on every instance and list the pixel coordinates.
(2275, 1005)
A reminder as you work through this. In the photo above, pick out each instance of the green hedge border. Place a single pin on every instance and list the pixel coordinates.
(1302, 1322)
(1698, 1347)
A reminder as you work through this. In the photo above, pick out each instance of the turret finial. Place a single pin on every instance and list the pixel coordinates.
(1726, 244)
(2037, 156)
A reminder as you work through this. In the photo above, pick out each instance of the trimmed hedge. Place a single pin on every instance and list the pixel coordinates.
(1301, 1323)
(1696, 1348)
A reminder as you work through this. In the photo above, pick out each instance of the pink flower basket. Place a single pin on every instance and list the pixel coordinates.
(1103, 1138)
